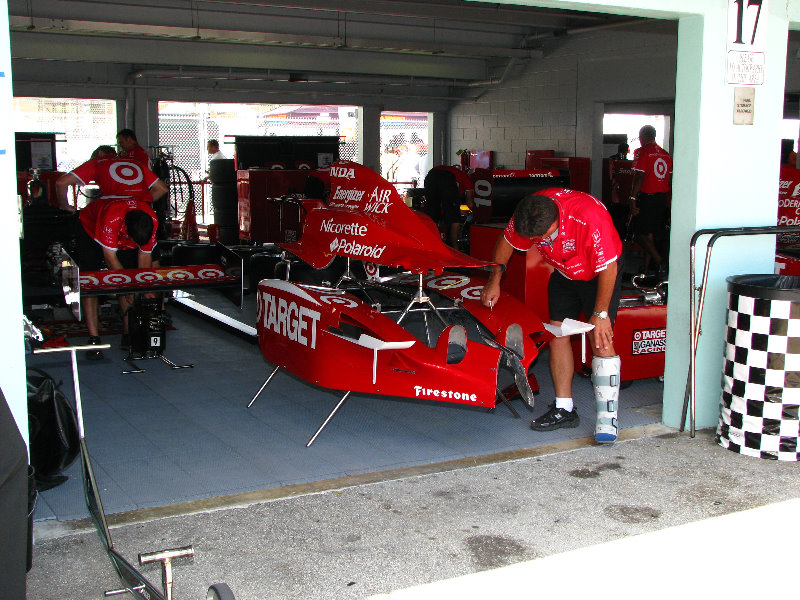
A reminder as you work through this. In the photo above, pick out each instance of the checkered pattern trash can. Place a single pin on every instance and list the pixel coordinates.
(760, 405)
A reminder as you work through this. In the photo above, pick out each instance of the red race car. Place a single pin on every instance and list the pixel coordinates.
(364, 302)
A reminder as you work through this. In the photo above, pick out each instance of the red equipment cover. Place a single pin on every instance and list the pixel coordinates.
(483, 181)
(789, 205)
(367, 220)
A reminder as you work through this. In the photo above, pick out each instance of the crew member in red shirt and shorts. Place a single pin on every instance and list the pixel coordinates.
(575, 235)
(118, 230)
(652, 181)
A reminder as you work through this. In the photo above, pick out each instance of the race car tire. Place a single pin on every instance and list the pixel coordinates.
(221, 170)
(220, 591)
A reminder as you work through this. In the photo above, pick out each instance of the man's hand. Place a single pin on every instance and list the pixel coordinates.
(602, 335)
(490, 293)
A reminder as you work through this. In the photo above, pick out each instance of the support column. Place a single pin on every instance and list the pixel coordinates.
(370, 137)
(724, 176)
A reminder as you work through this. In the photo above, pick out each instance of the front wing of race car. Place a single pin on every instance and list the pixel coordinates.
(333, 338)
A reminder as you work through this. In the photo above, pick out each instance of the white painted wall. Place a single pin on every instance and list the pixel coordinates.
(12, 352)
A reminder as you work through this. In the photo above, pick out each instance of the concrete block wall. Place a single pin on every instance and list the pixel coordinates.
(550, 103)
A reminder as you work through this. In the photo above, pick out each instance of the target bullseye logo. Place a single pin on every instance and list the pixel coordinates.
(346, 302)
(127, 173)
(177, 275)
(148, 277)
(637, 335)
(210, 273)
(89, 280)
(448, 281)
(116, 279)
(660, 168)
(472, 293)
(372, 269)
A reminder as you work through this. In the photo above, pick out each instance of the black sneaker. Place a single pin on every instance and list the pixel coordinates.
(94, 354)
(556, 418)
(125, 342)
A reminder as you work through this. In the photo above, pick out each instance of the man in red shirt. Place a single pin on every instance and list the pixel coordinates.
(118, 229)
(130, 148)
(575, 234)
(446, 189)
(652, 181)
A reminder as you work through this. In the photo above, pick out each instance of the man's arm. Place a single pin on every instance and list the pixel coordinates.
(502, 254)
(144, 260)
(158, 189)
(638, 177)
(111, 258)
(603, 331)
(62, 186)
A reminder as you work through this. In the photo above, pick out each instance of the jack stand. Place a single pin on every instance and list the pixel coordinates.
(148, 355)
(421, 298)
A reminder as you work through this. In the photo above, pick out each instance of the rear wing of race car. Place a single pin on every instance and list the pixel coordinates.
(225, 274)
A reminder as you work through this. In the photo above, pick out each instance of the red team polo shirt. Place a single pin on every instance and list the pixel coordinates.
(587, 241)
(105, 223)
(656, 164)
(139, 155)
(117, 177)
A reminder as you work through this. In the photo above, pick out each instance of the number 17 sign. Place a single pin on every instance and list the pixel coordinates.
(747, 41)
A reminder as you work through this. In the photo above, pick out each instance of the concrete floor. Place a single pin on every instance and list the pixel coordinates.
(366, 535)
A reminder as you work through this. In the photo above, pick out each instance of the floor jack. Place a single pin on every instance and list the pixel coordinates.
(133, 581)
(147, 325)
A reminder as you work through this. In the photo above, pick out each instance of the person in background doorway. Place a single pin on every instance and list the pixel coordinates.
(575, 235)
(622, 152)
(214, 152)
(652, 183)
(446, 189)
(788, 155)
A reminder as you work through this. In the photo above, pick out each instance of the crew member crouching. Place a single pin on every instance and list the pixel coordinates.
(574, 233)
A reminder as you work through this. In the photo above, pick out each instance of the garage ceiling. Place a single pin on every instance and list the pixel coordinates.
(443, 48)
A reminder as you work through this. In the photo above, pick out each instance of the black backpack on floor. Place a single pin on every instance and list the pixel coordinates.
(52, 427)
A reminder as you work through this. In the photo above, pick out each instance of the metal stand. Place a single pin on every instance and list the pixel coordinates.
(137, 369)
(135, 583)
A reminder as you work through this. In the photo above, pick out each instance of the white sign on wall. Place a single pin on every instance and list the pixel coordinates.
(747, 41)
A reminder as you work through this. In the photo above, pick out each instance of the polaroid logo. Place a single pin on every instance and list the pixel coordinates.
(348, 195)
(423, 392)
(343, 228)
(343, 246)
(293, 321)
(649, 341)
(343, 172)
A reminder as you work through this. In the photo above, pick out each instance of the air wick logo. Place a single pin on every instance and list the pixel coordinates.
(344, 246)
(344, 172)
(378, 201)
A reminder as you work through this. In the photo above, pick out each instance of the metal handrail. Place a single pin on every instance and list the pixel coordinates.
(696, 313)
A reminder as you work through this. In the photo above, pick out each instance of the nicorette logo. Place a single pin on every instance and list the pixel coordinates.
(344, 172)
(343, 228)
(344, 246)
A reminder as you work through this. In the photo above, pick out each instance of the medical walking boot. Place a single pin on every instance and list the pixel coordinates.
(605, 380)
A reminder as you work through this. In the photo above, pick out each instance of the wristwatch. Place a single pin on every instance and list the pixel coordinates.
(603, 314)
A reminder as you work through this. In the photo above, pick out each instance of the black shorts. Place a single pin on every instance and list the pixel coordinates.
(90, 254)
(568, 298)
(653, 214)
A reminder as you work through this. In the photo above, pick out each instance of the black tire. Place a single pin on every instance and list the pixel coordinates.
(262, 266)
(220, 591)
(221, 170)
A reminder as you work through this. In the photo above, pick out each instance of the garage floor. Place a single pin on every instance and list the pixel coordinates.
(165, 437)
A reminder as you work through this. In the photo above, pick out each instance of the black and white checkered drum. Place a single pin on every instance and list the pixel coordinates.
(760, 406)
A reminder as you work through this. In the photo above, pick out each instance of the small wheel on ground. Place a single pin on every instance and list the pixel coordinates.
(220, 591)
